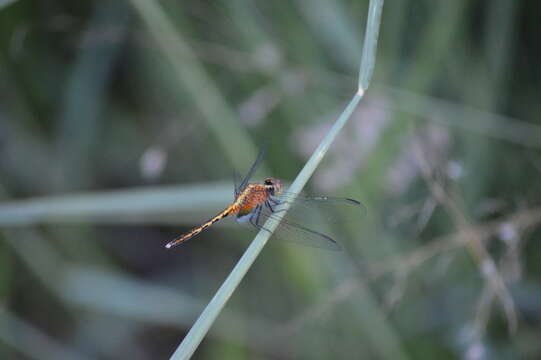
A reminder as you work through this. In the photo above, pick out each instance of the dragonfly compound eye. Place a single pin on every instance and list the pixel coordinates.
(274, 186)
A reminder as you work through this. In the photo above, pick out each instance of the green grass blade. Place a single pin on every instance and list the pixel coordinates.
(215, 306)
(118, 206)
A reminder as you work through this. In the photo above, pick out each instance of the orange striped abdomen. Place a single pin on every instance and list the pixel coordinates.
(231, 209)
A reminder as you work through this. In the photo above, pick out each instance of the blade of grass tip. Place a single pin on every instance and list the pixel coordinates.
(370, 44)
(215, 306)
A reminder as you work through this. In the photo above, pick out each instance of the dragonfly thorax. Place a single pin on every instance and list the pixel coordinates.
(256, 194)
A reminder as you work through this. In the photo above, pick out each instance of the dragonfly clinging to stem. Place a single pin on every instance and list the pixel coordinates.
(256, 202)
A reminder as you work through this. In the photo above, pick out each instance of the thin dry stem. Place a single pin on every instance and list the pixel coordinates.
(473, 240)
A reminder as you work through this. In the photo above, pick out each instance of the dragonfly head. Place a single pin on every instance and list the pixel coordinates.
(273, 185)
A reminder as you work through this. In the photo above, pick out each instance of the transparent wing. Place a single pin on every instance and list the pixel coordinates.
(252, 170)
(236, 181)
(316, 209)
(313, 210)
(296, 233)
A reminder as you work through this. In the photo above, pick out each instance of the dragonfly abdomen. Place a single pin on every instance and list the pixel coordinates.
(232, 209)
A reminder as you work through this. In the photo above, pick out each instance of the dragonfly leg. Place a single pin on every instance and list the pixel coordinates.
(258, 211)
(273, 205)
(268, 204)
(275, 201)
(254, 218)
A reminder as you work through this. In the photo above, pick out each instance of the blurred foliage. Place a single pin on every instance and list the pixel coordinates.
(116, 136)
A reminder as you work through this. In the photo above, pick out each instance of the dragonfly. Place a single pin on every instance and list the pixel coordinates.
(255, 203)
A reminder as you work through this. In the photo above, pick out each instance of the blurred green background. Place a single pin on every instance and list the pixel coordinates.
(121, 123)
